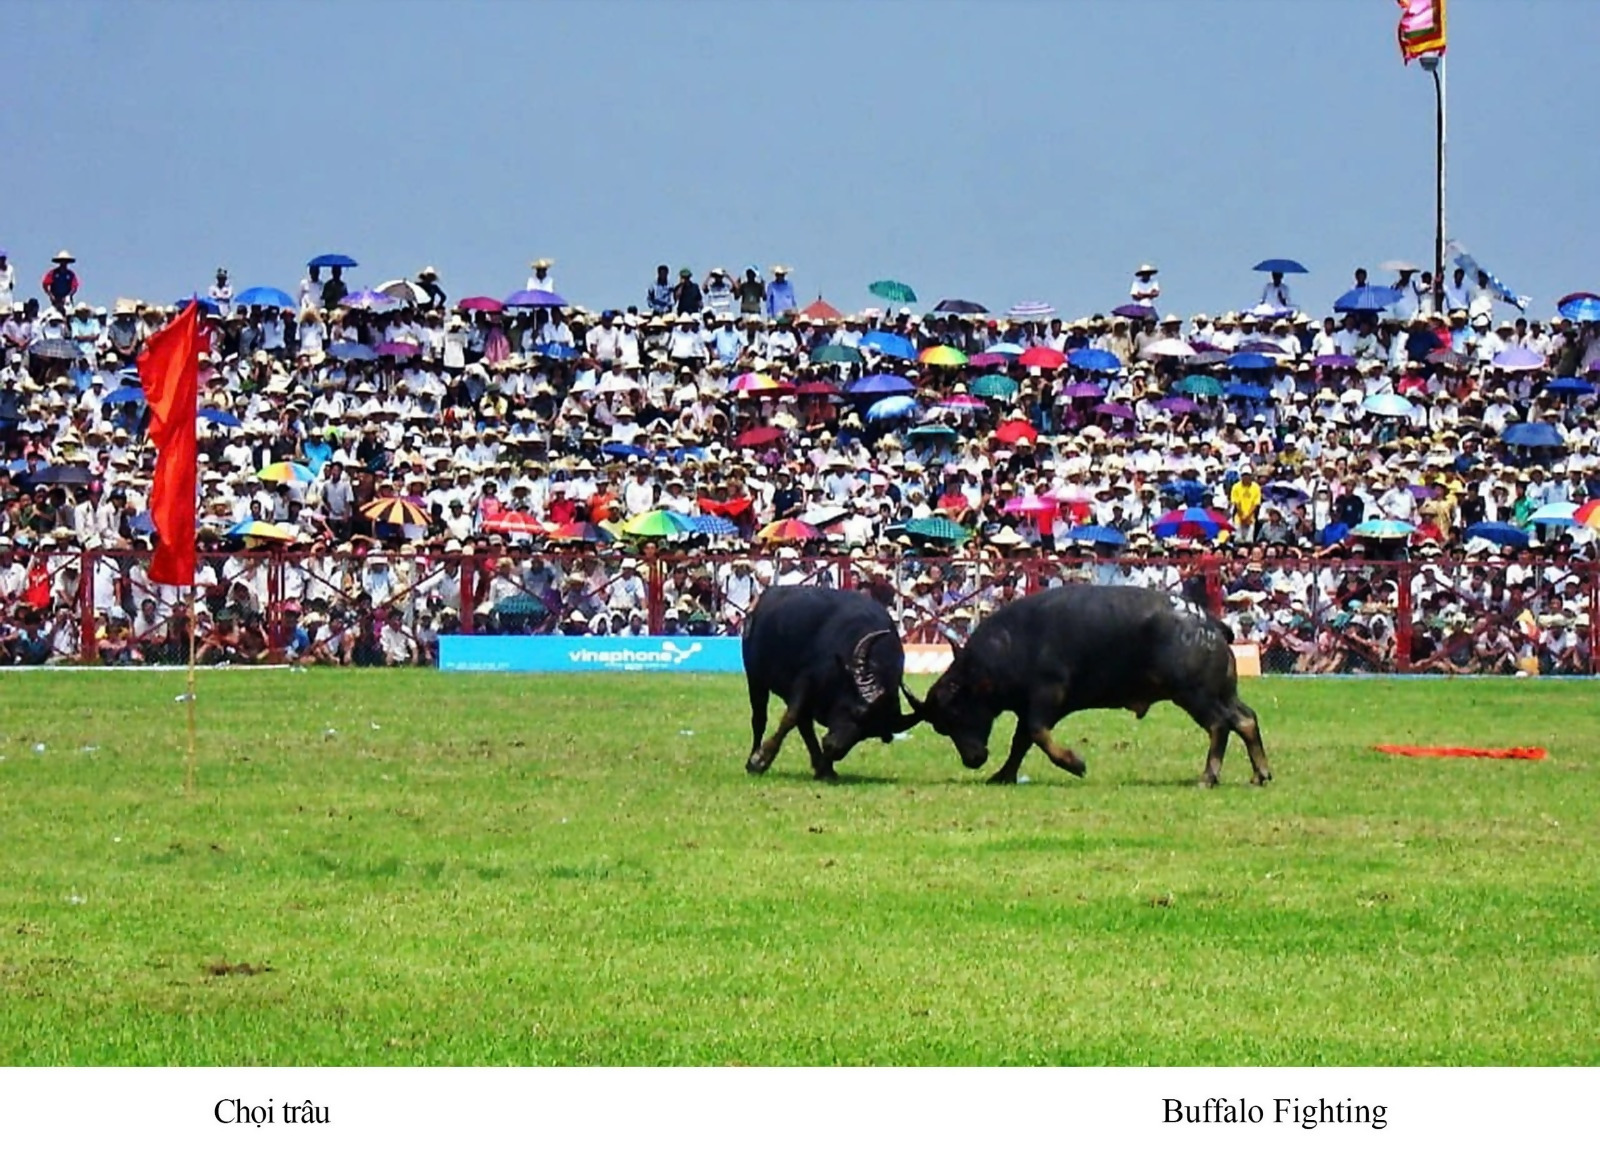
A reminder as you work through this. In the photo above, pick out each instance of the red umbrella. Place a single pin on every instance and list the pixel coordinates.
(579, 531)
(956, 502)
(515, 523)
(1042, 356)
(1043, 506)
(756, 437)
(789, 529)
(821, 311)
(815, 388)
(1013, 430)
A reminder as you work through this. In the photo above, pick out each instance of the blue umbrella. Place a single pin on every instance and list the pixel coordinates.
(1286, 494)
(1244, 391)
(265, 295)
(352, 352)
(1570, 386)
(890, 344)
(894, 407)
(1499, 533)
(558, 351)
(1281, 265)
(206, 305)
(338, 260)
(124, 395)
(881, 385)
(1580, 307)
(1252, 361)
(626, 451)
(536, 299)
(1367, 297)
(1203, 386)
(1387, 404)
(1089, 358)
(221, 418)
(1100, 534)
(1533, 436)
(1383, 529)
(712, 525)
(1555, 513)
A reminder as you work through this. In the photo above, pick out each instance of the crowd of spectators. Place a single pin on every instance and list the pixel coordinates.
(533, 437)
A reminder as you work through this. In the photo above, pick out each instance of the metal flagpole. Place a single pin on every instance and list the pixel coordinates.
(190, 700)
(1435, 66)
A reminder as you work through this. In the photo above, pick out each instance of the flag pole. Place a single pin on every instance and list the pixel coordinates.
(190, 700)
(1434, 64)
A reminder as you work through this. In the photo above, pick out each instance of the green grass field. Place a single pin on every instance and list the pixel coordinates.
(413, 868)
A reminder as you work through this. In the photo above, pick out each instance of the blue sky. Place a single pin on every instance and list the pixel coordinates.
(996, 151)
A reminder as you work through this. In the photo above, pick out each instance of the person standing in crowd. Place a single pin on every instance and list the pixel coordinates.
(719, 291)
(60, 281)
(541, 280)
(8, 282)
(686, 294)
(334, 290)
(752, 293)
(1276, 293)
(780, 293)
(221, 292)
(428, 282)
(659, 297)
(1145, 288)
(311, 288)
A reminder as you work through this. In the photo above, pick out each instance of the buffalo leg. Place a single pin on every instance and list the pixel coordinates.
(820, 765)
(1217, 720)
(1249, 731)
(762, 757)
(1020, 741)
(1062, 756)
(758, 719)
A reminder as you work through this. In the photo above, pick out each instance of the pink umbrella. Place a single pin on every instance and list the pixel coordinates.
(485, 305)
(963, 402)
(1031, 503)
(1081, 391)
(988, 360)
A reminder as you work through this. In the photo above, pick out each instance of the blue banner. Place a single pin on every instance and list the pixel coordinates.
(598, 653)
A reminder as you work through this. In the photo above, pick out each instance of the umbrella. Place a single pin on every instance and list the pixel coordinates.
(1135, 311)
(124, 395)
(1280, 265)
(265, 295)
(1518, 358)
(758, 437)
(1251, 362)
(1262, 346)
(1178, 405)
(821, 311)
(933, 432)
(625, 451)
(1498, 533)
(834, 353)
(815, 387)
(1200, 386)
(881, 385)
(352, 352)
(1387, 404)
(954, 305)
(1337, 361)
(1031, 504)
(1367, 297)
(261, 530)
(61, 474)
(515, 522)
(371, 300)
(942, 356)
(1555, 513)
(1013, 430)
(824, 515)
(753, 381)
(1100, 535)
(396, 511)
(1043, 357)
(485, 305)
(1081, 391)
(897, 291)
(1119, 411)
(788, 529)
(938, 529)
(1401, 267)
(994, 386)
(1238, 390)
(579, 532)
(962, 403)
(713, 525)
(1005, 348)
(1588, 514)
(398, 349)
(1570, 386)
(1169, 348)
(402, 290)
(1206, 358)
(285, 471)
(894, 407)
(1190, 523)
(989, 358)
(892, 345)
(535, 299)
(221, 418)
(1533, 436)
(658, 523)
(1580, 307)
(1383, 529)
(1447, 358)
(334, 260)
(1091, 359)
(1032, 309)
(559, 351)
(56, 349)
(1286, 494)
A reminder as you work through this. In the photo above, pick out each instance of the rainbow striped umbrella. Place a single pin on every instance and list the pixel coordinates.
(788, 529)
(262, 530)
(942, 356)
(754, 381)
(285, 472)
(396, 511)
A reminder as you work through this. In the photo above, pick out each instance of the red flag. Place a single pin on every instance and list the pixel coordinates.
(169, 369)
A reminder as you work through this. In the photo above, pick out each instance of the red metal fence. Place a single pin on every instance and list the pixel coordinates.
(1305, 615)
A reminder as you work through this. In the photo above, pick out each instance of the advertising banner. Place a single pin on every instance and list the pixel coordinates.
(561, 653)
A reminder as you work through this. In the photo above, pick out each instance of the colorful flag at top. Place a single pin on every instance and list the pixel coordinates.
(1421, 28)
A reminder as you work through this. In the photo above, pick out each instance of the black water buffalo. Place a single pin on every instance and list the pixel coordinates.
(835, 658)
(1090, 647)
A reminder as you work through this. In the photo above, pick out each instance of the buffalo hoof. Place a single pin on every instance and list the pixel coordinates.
(1208, 781)
(756, 764)
(825, 774)
(1001, 780)
(1261, 779)
(1078, 768)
